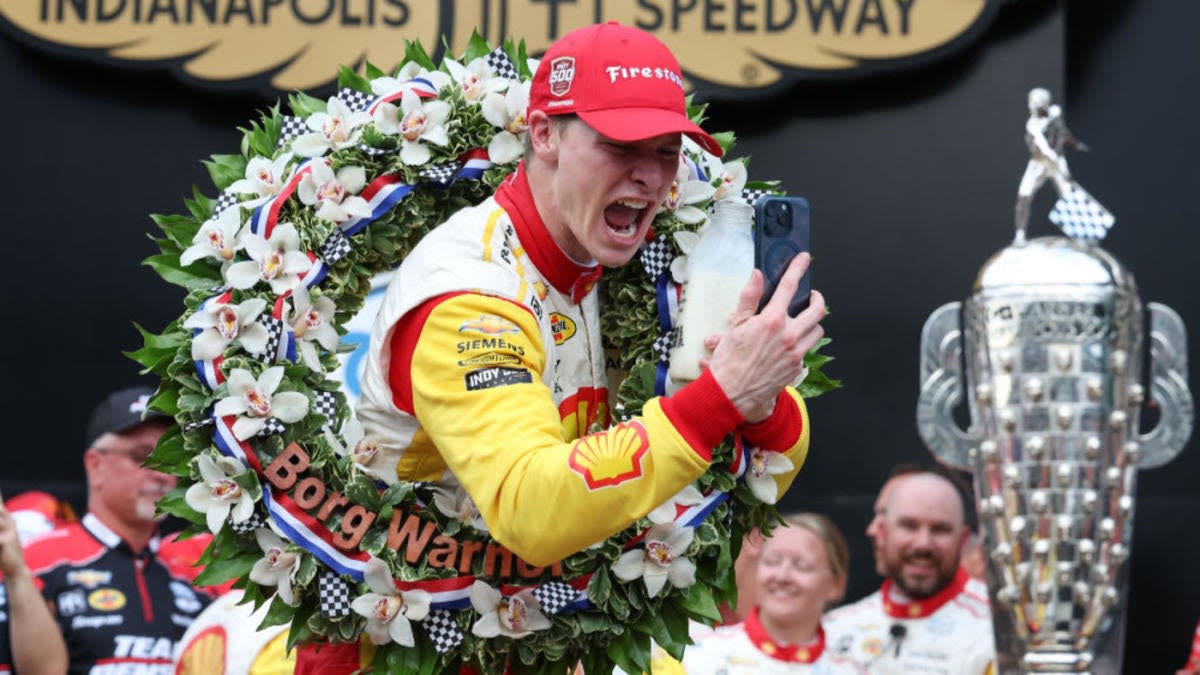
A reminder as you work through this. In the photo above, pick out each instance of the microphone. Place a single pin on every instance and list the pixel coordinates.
(898, 631)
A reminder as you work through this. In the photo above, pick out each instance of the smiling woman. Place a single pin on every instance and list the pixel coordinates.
(801, 571)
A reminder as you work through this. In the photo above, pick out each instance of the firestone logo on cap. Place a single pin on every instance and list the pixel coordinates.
(562, 75)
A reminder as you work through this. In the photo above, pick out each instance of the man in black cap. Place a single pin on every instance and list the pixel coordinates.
(118, 603)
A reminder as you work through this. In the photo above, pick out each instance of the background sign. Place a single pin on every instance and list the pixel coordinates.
(726, 47)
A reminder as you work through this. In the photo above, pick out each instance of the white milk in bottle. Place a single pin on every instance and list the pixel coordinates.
(717, 269)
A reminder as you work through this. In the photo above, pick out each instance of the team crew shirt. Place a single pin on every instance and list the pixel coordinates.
(949, 633)
(120, 612)
(486, 370)
(748, 649)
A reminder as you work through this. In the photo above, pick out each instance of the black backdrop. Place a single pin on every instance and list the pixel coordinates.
(911, 176)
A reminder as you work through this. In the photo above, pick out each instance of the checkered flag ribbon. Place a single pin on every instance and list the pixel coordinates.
(192, 426)
(334, 595)
(273, 426)
(656, 256)
(443, 630)
(274, 327)
(291, 128)
(500, 62)
(336, 247)
(226, 200)
(354, 99)
(1080, 216)
(751, 196)
(325, 403)
(554, 595)
(441, 173)
(662, 345)
(248, 525)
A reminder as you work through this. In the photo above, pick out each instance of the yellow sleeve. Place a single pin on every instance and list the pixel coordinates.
(543, 495)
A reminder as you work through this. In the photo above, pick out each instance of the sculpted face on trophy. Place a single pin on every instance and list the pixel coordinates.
(1050, 351)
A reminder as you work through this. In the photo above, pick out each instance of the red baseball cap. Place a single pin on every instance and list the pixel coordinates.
(622, 81)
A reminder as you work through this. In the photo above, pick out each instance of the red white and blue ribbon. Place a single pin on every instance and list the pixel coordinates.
(266, 215)
(667, 294)
(381, 195)
(418, 85)
(209, 370)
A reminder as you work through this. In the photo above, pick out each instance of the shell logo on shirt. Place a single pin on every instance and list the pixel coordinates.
(106, 599)
(611, 457)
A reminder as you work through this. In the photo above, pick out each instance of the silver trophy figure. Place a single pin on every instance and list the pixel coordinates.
(1054, 351)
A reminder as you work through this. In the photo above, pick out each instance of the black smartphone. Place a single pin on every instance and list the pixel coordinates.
(782, 228)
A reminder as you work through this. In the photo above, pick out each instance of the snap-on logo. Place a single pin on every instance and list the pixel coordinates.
(562, 74)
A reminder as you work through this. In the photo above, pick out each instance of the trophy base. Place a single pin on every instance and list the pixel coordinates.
(1035, 663)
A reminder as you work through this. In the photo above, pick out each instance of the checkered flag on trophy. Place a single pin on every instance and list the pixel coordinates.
(656, 256)
(662, 345)
(334, 595)
(1080, 216)
(554, 595)
(499, 61)
(443, 630)
(751, 196)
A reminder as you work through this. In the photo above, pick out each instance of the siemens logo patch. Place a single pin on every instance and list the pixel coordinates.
(496, 377)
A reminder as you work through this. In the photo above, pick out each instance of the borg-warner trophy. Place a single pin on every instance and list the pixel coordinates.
(1054, 350)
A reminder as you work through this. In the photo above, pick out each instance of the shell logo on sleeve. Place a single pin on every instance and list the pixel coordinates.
(610, 458)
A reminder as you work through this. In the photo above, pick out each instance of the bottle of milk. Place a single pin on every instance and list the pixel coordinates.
(717, 269)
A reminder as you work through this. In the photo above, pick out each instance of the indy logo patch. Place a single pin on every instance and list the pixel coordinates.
(487, 378)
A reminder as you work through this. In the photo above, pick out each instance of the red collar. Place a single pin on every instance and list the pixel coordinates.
(919, 609)
(806, 653)
(569, 277)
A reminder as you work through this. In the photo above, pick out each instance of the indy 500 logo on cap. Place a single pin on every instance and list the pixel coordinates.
(562, 74)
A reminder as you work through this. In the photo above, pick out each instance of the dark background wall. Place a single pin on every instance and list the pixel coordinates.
(911, 176)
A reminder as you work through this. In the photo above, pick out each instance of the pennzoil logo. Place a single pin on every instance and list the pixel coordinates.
(725, 49)
(106, 600)
(562, 327)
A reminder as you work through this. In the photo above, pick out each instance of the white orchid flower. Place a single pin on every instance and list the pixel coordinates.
(686, 191)
(507, 112)
(255, 400)
(459, 505)
(358, 446)
(336, 128)
(217, 238)
(222, 324)
(417, 123)
(277, 567)
(688, 496)
(476, 79)
(334, 195)
(686, 241)
(731, 180)
(661, 559)
(760, 473)
(514, 616)
(386, 86)
(217, 495)
(312, 321)
(265, 177)
(388, 610)
(276, 260)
